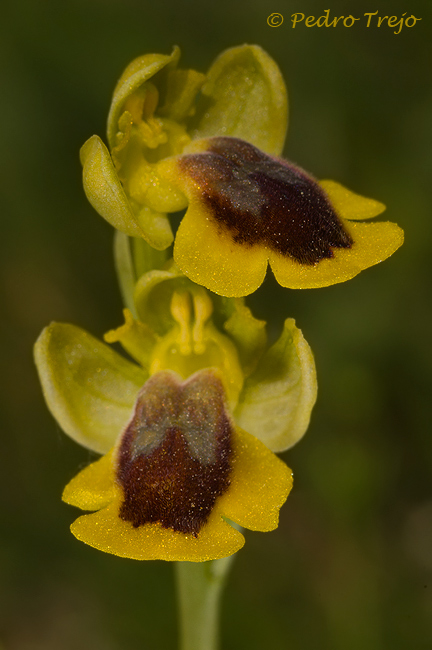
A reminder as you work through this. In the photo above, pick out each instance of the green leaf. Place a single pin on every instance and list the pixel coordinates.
(277, 399)
(89, 388)
(244, 97)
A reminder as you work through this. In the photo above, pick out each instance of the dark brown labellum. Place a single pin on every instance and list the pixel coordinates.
(264, 200)
(174, 458)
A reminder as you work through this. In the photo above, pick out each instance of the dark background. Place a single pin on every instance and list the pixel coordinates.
(351, 563)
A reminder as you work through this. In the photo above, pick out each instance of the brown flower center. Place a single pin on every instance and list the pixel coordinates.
(174, 458)
(265, 200)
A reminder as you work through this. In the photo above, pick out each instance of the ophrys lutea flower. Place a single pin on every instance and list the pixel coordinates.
(211, 144)
(187, 433)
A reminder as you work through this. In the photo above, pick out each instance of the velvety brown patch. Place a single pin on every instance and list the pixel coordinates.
(265, 200)
(174, 458)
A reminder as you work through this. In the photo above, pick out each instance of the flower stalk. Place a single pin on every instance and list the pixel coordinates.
(199, 591)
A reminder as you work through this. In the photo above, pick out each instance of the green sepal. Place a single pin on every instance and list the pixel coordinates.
(106, 194)
(277, 399)
(247, 332)
(244, 97)
(89, 388)
(136, 74)
(104, 190)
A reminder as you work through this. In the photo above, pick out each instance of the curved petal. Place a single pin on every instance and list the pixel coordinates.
(259, 487)
(349, 205)
(94, 487)
(245, 97)
(156, 228)
(210, 257)
(137, 72)
(373, 243)
(276, 402)
(105, 531)
(104, 190)
(89, 388)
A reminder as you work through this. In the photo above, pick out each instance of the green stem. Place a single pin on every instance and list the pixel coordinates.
(125, 269)
(199, 587)
(133, 257)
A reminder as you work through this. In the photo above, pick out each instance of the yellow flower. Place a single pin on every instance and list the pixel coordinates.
(247, 208)
(179, 469)
(180, 139)
(178, 462)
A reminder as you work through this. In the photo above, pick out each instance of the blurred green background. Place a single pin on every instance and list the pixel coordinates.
(351, 563)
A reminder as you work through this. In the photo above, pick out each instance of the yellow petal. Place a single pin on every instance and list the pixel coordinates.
(349, 205)
(105, 531)
(373, 243)
(209, 256)
(259, 486)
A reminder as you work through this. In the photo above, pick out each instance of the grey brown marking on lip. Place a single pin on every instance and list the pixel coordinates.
(263, 200)
(174, 458)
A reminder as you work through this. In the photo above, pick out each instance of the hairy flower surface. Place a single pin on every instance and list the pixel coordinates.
(209, 143)
(188, 434)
